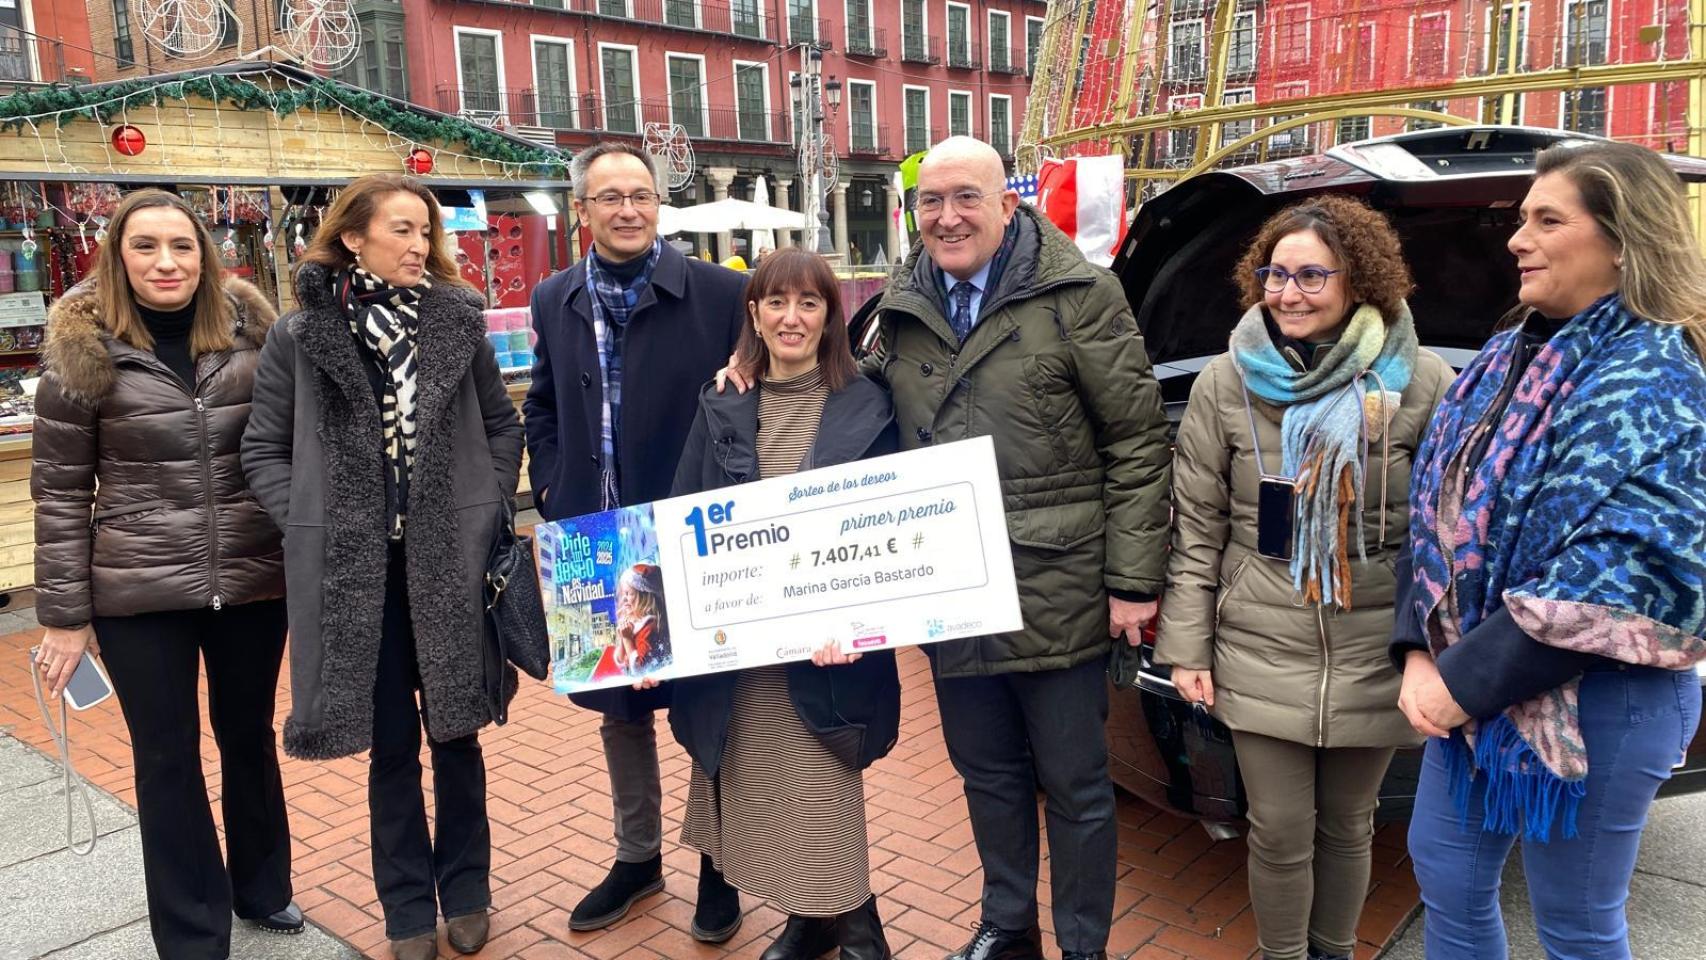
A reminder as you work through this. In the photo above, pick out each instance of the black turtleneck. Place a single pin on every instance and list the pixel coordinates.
(171, 332)
(623, 272)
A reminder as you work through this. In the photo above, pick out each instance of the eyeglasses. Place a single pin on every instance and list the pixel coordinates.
(641, 199)
(965, 201)
(1310, 279)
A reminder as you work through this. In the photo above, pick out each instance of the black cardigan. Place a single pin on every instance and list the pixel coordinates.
(854, 709)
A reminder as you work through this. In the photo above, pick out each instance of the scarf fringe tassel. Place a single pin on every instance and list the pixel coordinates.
(1521, 793)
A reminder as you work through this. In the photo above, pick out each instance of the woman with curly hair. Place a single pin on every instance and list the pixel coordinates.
(1291, 497)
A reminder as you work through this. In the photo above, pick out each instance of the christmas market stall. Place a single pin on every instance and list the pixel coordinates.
(260, 150)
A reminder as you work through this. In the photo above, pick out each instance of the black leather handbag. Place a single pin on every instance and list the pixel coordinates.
(513, 605)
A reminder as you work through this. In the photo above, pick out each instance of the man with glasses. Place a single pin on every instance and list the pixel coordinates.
(997, 325)
(626, 338)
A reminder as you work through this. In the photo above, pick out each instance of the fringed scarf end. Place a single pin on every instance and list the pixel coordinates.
(1521, 794)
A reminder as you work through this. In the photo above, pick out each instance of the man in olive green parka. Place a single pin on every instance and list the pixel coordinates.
(998, 326)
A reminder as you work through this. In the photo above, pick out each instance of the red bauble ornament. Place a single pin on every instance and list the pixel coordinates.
(128, 140)
(419, 161)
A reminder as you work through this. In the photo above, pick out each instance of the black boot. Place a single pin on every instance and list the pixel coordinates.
(804, 938)
(609, 901)
(860, 934)
(717, 915)
(1316, 953)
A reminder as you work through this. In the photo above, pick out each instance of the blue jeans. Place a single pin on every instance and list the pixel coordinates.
(1636, 722)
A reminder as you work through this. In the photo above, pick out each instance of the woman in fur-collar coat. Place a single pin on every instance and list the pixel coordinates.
(151, 552)
(383, 443)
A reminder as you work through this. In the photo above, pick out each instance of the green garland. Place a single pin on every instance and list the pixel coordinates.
(104, 103)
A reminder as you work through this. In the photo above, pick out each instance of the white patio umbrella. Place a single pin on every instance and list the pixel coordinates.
(764, 239)
(728, 214)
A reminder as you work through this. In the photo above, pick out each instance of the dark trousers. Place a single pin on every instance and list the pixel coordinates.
(153, 660)
(417, 874)
(1005, 734)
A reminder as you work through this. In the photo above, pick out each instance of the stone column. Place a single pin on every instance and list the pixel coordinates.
(784, 238)
(894, 251)
(840, 222)
(721, 178)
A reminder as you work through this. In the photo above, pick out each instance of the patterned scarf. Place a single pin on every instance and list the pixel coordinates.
(385, 318)
(1584, 517)
(612, 303)
(1330, 415)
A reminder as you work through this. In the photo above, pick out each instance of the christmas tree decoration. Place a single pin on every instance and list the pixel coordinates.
(419, 161)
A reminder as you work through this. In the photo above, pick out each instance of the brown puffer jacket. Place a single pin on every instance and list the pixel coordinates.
(1283, 668)
(141, 503)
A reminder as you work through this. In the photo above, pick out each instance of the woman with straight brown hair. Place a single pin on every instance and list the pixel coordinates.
(151, 552)
(384, 443)
(777, 800)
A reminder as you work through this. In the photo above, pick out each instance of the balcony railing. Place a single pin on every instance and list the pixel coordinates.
(915, 138)
(741, 18)
(812, 30)
(1006, 60)
(917, 48)
(27, 60)
(874, 43)
(964, 56)
(869, 140)
(587, 113)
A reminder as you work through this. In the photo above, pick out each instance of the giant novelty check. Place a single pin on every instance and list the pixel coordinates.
(905, 549)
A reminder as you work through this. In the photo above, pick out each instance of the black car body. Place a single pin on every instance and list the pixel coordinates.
(1452, 193)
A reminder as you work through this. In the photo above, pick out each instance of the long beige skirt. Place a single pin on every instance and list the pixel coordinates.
(786, 819)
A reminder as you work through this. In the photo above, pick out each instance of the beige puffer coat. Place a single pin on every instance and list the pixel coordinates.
(141, 505)
(1284, 669)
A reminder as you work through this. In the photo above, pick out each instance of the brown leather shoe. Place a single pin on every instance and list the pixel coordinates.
(423, 947)
(468, 932)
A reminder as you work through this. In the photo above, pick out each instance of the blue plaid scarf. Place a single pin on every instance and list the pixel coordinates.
(612, 303)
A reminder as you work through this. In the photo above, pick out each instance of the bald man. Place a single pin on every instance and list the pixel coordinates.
(997, 326)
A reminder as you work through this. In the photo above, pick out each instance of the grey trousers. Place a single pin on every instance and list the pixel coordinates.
(1311, 832)
(636, 791)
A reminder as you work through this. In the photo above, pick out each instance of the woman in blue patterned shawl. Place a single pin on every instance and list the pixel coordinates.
(1557, 591)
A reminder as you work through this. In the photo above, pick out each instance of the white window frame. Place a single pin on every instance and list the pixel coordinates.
(1029, 66)
(1229, 97)
(1173, 72)
(789, 20)
(904, 88)
(1345, 31)
(1255, 41)
(1294, 89)
(971, 112)
(989, 36)
(923, 26)
(876, 137)
(947, 38)
(663, 11)
(1489, 56)
(634, 74)
(533, 41)
(1281, 57)
(457, 33)
(627, 8)
(989, 131)
(704, 90)
(1569, 34)
(1610, 92)
(870, 24)
(1175, 103)
(734, 78)
(1445, 51)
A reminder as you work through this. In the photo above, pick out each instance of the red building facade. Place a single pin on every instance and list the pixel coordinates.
(911, 72)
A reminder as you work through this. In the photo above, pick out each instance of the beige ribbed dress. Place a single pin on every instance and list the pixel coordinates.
(785, 819)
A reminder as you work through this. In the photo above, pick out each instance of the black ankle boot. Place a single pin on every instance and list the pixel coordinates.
(609, 901)
(804, 938)
(1316, 953)
(860, 934)
(717, 915)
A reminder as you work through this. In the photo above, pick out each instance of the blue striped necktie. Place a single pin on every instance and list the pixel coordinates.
(961, 320)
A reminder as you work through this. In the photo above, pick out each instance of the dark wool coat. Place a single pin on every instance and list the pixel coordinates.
(313, 453)
(141, 504)
(681, 332)
(854, 709)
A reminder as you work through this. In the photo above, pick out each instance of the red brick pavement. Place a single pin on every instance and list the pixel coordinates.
(1179, 894)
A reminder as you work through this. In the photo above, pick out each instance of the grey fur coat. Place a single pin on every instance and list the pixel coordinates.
(312, 453)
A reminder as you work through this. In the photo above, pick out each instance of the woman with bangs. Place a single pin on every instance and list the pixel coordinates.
(777, 798)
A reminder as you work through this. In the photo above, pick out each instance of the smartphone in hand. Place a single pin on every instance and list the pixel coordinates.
(88, 684)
